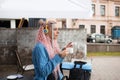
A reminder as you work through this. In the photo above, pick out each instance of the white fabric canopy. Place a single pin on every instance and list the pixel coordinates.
(45, 9)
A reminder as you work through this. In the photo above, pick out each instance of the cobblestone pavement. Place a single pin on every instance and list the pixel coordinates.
(103, 68)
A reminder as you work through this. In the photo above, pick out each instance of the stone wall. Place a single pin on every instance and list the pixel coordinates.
(78, 37)
(103, 47)
(7, 46)
(23, 40)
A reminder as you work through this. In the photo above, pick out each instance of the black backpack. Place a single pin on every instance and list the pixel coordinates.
(78, 73)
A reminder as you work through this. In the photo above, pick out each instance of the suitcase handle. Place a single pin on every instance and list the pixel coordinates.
(81, 63)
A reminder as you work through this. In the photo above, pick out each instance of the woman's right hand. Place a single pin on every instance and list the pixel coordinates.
(63, 53)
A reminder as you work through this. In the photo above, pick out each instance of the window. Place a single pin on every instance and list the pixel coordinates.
(93, 9)
(102, 10)
(33, 22)
(64, 24)
(4, 24)
(25, 23)
(93, 28)
(81, 26)
(102, 29)
(117, 11)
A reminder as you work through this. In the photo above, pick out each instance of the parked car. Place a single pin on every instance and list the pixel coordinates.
(118, 40)
(99, 38)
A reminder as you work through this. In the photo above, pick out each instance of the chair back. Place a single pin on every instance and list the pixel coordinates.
(18, 59)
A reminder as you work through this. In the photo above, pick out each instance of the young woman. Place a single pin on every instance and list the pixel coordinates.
(46, 54)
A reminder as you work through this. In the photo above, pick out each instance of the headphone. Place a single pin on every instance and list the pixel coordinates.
(45, 25)
(46, 29)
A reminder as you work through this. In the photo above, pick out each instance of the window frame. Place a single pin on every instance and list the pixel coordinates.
(81, 26)
(93, 29)
(102, 10)
(93, 9)
(118, 8)
(102, 30)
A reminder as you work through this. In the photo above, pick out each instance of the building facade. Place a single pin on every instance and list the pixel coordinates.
(106, 14)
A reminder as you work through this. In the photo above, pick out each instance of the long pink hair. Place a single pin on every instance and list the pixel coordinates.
(52, 49)
(47, 42)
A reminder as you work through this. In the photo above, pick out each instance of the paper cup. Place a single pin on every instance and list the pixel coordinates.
(70, 50)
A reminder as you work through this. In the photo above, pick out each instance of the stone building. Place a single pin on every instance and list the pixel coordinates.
(106, 14)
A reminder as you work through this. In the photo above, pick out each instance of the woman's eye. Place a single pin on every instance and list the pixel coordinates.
(55, 29)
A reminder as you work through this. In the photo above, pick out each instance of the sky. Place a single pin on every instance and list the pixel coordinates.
(49, 6)
(45, 4)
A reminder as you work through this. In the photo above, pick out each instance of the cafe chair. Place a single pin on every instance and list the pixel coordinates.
(22, 68)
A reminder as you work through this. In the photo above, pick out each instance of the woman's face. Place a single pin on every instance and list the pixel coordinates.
(55, 31)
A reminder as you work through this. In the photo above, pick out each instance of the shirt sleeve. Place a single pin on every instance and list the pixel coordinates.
(43, 63)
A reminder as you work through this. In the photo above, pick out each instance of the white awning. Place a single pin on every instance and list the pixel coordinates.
(45, 9)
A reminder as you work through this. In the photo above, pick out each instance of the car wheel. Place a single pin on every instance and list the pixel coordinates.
(93, 41)
(108, 41)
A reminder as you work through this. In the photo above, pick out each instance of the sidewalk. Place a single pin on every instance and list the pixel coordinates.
(6, 70)
(106, 68)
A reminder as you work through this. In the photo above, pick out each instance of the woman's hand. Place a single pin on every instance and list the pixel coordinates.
(63, 53)
(68, 46)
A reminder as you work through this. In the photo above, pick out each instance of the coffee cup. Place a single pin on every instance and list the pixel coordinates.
(70, 50)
